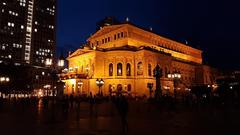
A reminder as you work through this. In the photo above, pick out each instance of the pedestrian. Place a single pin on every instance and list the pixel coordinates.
(78, 101)
(71, 99)
(65, 105)
(91, 101)
(123, 110)
(95, 104)
(1, 102)
(45, 102)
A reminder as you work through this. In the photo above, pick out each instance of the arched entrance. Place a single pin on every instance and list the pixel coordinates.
(119, 88)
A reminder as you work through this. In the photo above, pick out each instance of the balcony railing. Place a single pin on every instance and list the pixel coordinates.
(73, 76)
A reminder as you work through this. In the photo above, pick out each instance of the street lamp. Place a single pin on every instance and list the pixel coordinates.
(100, 83)
(80, 83)
(150, 86)
(54, 69)
(158, 74)
(4, 79)
(175, 76)
(61, 61)
(48, 61)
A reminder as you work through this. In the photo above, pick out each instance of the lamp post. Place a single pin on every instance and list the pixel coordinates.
(80, 83)
(100, 83)
(158, 74)
(175, 76)
(55, 69)
(4, 80)
(48, 65)
(48, 61)
(61, 61)
(150, 86)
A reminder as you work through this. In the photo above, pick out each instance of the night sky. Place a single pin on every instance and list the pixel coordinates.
(211, 25)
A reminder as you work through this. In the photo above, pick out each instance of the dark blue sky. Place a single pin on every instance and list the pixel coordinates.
(212, 25)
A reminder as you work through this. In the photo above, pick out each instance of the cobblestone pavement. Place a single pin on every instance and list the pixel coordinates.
(143, 119)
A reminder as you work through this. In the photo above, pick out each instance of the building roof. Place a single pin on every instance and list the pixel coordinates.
(122, 48)
(109, 28)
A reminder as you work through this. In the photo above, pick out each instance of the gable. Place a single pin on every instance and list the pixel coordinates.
(78, 52)
(105, 30)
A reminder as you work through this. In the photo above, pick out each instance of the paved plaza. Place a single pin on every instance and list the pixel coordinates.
(143, 118)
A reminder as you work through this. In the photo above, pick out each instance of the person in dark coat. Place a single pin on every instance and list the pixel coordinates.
(71, 99)
(123, 111)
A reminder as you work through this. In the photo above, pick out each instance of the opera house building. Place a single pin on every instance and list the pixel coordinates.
(121, 59)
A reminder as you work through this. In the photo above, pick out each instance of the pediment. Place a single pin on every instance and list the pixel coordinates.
(105, 30)
(78, 52)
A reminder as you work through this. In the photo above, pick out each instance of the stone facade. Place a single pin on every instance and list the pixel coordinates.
(124, 56)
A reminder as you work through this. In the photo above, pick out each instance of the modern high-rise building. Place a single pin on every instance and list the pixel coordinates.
(28, 38)
(27, 31)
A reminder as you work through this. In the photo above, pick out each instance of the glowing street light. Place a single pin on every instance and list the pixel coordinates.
(100, 83)
(7, 79)
(175, 76)
(4, 79)
(48, 62)
(80, 83)
(61, 61)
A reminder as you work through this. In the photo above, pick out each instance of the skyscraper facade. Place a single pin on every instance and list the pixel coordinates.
(27, 31)
(27, 39)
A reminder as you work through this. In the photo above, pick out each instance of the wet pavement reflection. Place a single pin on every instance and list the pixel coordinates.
(38, 118)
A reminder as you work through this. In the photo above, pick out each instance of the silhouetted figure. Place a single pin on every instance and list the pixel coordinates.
(65, 106)
(1, 102)
(95, 104)
(45, 102)
(78, 101)
(113, 102)
(71, 99)
(91, 101)
(14, 101)
(123, 111)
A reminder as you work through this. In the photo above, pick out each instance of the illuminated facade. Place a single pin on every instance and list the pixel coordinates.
(124, 56)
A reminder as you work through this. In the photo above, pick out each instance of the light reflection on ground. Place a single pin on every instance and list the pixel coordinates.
(143, 119)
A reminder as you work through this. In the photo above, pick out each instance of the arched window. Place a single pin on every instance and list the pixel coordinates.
(139, 68)
(119, 88)
(110, 69)
(128, 69)
(149, 70)
(119, 69)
